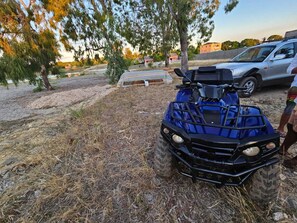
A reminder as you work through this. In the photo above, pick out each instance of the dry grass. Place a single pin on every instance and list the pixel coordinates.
(99, 169)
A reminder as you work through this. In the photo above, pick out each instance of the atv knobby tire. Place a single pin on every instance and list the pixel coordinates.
(163, 159)
(264, 184)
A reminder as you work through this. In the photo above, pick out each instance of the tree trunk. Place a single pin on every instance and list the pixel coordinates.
(166, 59)
(182, 27)
(46, 83)
(183, 34)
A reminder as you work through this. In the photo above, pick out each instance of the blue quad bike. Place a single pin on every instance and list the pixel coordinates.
(207, 135)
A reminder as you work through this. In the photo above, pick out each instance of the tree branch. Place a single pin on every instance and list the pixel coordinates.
(24, 5)
(172, 13)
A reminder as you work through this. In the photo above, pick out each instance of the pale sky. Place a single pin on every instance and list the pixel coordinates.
(250, 19)
(255, 19)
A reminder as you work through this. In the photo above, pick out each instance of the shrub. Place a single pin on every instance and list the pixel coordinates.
(39, 83)
(150, 64)
(55, 70)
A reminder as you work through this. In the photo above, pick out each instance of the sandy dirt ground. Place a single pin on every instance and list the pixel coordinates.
(14, 101)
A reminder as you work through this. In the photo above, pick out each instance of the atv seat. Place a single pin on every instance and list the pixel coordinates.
(211, 75)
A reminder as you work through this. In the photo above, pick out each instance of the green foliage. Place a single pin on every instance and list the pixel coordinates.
(274, 38)
(129, 62)
(26, 42)
(116, 66)
(130, 57)
(157, 25)
(55, 70)
(76, 113)
(92, 24)
(191, 52)
(62, 75)
(97, 57)
(158, 57)
(88, 61)
(197, 49)
(249, 42)
(177, 51)
(230, 45)
(48, 48)
(150, 64)
(148, 25)
(62, 65)
(230, 5)
(15, 69)
(194, 19)
(39, 83)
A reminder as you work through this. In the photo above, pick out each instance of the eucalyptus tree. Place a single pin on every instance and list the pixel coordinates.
(230, 45)
(27, 41)
(248, 42)
(194, 20)
(85, 26)
(89, 28)
(185, 19)
(148, 26)
(275, 38)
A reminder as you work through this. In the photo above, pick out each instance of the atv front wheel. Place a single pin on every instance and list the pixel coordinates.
(264, 184)
(163, 159)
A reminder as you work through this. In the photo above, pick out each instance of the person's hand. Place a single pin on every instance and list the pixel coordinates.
(294, 71)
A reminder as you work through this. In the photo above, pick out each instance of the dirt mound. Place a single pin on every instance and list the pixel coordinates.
(70, 97)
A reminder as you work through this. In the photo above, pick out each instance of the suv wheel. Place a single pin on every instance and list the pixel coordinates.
(250, 83)
(163, 159)
(264, 184)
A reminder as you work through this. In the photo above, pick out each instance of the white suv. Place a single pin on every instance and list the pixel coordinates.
(262, 65)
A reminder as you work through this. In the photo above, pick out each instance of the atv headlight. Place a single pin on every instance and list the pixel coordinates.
(177, 139)
(252, 151)
(270, 145)
(166, 131)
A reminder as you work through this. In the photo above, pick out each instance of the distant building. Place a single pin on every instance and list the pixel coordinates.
(210, 47)
(173, 57)
(68, 66)
(148, 60)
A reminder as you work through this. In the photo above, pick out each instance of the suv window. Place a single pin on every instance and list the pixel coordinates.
(287, 49)
(255, 54)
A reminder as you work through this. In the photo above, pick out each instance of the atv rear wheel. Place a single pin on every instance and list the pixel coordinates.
(264, 184)
(163, 159)
(250, 83)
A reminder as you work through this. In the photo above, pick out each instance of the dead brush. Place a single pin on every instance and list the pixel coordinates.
(100, 170)
(246, 209)
(287, 193)
(89, 178)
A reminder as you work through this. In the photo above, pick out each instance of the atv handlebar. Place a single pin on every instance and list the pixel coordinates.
(200, 85)
(232, 86)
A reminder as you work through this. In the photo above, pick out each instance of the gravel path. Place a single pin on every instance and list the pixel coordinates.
(15, 100)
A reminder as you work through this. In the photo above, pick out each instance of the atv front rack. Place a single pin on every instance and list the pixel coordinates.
(237, 117)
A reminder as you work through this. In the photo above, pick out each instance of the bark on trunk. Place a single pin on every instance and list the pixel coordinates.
(46, 83)
(183, 35)
(166, 59)
(184, 50)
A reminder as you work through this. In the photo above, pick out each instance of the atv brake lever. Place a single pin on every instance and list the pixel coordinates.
(199, 85)
(240, 88)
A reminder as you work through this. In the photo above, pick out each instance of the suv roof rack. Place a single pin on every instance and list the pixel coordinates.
(290, 35)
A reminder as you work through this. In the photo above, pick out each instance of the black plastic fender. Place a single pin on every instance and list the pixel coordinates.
(250, 73)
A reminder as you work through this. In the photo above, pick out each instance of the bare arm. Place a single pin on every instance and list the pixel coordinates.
(292, 69)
